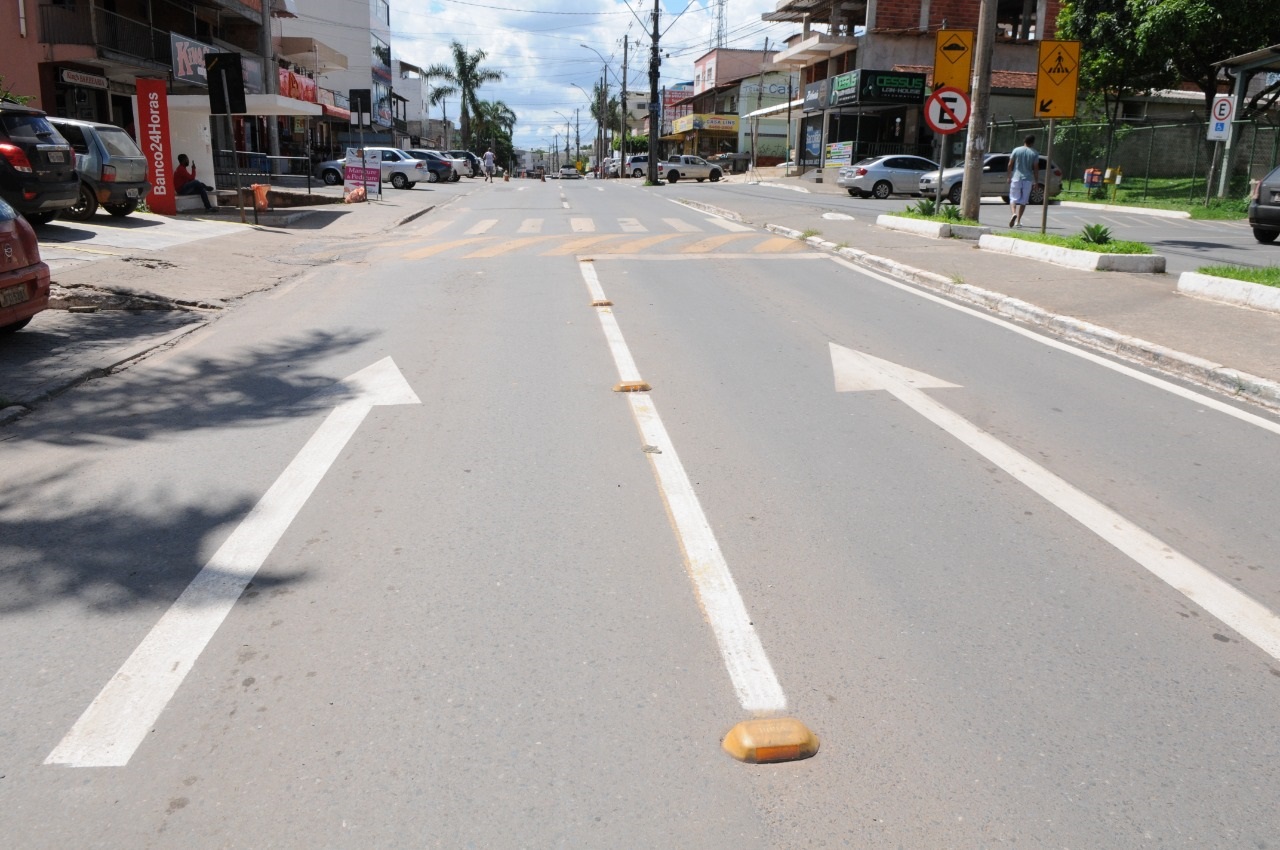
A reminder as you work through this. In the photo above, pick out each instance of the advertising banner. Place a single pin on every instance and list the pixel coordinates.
(363, 171)
(815, 96)
(153, 135)
(297, 86)
(839, 153)
(844, 89)
(720, 123)
(188, 59)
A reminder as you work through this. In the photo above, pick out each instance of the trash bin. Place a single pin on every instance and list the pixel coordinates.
(260, 196)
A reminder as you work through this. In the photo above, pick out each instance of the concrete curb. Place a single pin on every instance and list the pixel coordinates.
(1226, 290)
(97, 367)
(936, 229)
(1187, 366)
(1087, 260)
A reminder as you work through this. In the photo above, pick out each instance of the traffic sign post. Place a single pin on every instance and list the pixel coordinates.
(1221, 114)
(946, 111)
(953, 60)
(1057, 79)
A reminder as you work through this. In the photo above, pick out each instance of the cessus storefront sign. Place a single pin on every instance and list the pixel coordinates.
(153, 136)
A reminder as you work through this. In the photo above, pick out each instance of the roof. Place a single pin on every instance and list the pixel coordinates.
(1266, 59)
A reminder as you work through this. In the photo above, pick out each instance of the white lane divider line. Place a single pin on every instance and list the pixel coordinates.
(749, 669)
(482, 227)
(115, 724)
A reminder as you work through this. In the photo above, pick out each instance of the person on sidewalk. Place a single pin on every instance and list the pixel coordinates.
(488, 166)
(1024, 173)
(185, 182)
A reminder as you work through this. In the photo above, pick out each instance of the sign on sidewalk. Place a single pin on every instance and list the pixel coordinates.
(1057, 79)
(953, 59)
(363, 170)
(946, 111)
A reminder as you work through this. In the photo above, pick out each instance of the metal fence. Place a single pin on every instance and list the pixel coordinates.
(1175, 156)
(241, 168)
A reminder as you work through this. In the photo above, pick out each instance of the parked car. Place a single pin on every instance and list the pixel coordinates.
(440, 170)
(1264, 208)
(638, 165)
(398, 168)
(995, 180)
(24, 279)
(37, 166)
(112, 168)
(476, 164)
(684, 167)
(882, 176)
(460, 164)
(569, 172)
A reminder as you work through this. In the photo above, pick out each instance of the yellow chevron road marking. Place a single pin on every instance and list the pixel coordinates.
(576, 245)
(779, 244)
(506, 247)
(713, 242)
(637, 245)
(441, 247)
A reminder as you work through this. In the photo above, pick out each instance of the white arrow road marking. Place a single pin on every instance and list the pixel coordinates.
(856, 371)
(116, 722)
(749, 668)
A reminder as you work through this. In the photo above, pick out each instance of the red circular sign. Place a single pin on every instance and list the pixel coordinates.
(946, 111)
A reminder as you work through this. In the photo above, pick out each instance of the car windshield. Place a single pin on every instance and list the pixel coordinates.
(117, 142)
(30, 128)
(868, 161)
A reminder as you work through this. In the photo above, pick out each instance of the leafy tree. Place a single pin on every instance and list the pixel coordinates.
(6, 93)
(495, 124)
(1194, 34)
(467, 75)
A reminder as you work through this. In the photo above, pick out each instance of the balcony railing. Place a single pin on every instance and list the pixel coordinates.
(82, 24)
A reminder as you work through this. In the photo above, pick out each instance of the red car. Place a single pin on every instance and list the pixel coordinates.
(24, 280)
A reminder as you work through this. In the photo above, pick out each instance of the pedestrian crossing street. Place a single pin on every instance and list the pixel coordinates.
(573, 236)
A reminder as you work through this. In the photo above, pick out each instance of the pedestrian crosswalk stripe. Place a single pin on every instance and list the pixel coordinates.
(632, 225)
(530, 225)
(682, 225)
(576, 245)
(506, 246)
(582, 225)
(637, 245)
(729, 225)
(713, 242)
(482, 227)
(779, 244)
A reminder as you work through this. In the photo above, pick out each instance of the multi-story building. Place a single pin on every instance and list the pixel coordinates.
(894, 40)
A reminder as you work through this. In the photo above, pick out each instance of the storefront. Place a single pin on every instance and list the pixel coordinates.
(862, 113)
(706, 135)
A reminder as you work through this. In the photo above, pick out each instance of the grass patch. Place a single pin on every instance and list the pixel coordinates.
(1267, 275)
(805, 234)
(1116, 246)
(938, 217)
(1167, 193)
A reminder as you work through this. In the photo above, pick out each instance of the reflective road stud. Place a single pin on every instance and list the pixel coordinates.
(770, 740)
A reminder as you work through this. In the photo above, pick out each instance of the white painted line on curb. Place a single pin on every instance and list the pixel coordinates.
(749, 669)
(118, 720)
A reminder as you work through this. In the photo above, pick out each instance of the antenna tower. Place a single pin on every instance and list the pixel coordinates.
(722, 27)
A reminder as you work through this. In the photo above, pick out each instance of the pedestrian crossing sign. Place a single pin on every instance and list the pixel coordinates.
(1057, 79)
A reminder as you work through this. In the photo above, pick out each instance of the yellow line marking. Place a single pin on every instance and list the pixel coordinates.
(713, 242)
(432, 250)
(637, 245)
(576, 245)
(779, 244)
(506, 247)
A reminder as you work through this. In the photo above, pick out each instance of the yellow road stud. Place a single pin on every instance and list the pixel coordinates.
(768, 740)
(632, 387)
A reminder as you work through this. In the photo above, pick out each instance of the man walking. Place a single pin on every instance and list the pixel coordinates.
(1024, 173)
(488, 166)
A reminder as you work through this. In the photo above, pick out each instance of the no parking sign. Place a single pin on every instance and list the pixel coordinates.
(1220, 115)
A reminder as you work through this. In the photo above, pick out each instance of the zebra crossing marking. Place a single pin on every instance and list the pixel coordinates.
(482, 227)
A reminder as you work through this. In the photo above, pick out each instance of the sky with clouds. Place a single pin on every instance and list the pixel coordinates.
(537, 45)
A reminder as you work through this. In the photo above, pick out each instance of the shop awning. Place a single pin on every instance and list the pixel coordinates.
(776, 108)
(335, 112)
(312, 54)
(256, 104)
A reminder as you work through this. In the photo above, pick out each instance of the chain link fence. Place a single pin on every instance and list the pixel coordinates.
(1158, 160)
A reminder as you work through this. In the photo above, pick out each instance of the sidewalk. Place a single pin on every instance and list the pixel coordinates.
(1140, 317)
(126, 300)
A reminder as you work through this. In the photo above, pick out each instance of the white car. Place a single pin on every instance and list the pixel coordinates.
(569, 172)
(460, 165)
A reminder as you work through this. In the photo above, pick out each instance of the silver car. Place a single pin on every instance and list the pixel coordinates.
(995, 180)
(398, 168)
(882, 176)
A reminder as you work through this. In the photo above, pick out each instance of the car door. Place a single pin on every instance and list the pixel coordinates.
(390, 161)
(995, 175)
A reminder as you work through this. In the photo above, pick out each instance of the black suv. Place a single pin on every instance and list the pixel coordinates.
(37, 167)
(1264, 208)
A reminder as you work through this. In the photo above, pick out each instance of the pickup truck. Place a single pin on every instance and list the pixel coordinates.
(682, 167)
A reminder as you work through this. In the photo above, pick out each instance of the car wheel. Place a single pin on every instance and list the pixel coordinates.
(1037, 195)
(455, 178)
(1004, 198)
(121, 210)
(40, 219)
(16, 326)
(954, 195)
(673, 176)
(700, 179)
(715, 176)
(331, 177)
(432, 177)
(636, 172)
(881, 190)
(1266, 237)
(86, 204)
(399, 181)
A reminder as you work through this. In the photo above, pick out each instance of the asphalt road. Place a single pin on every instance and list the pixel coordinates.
(1023, 596)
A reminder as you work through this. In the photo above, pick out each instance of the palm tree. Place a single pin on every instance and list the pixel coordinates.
(495, 123)
(437, 98)
(467, 76)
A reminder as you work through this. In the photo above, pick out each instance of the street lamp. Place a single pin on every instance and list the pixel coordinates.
(604, 107)
(566, 133)
(599, 125)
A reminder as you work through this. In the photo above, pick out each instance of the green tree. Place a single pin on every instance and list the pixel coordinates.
(494, 124)
(1194, 34)
(467, 75)
(6, 93)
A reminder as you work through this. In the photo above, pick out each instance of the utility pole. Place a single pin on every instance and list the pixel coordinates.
(601, 138)
(755, 122)
(622, 146)
(577, 137)
(976, 143)
(655, 114)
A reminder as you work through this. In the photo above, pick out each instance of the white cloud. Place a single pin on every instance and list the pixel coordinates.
(537, 45)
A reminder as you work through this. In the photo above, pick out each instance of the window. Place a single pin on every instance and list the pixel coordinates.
(380, 10)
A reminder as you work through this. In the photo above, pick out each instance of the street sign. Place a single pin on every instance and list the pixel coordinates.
(1221, 113)
(953, 59)
(946, 111)
(1057, 79)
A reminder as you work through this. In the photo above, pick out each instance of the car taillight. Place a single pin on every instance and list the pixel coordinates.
(861, 172)
(108, 174)
(1256, 194)
(15, 157)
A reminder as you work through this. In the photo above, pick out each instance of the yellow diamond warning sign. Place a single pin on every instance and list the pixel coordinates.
(953, 59)
(1057, 78)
